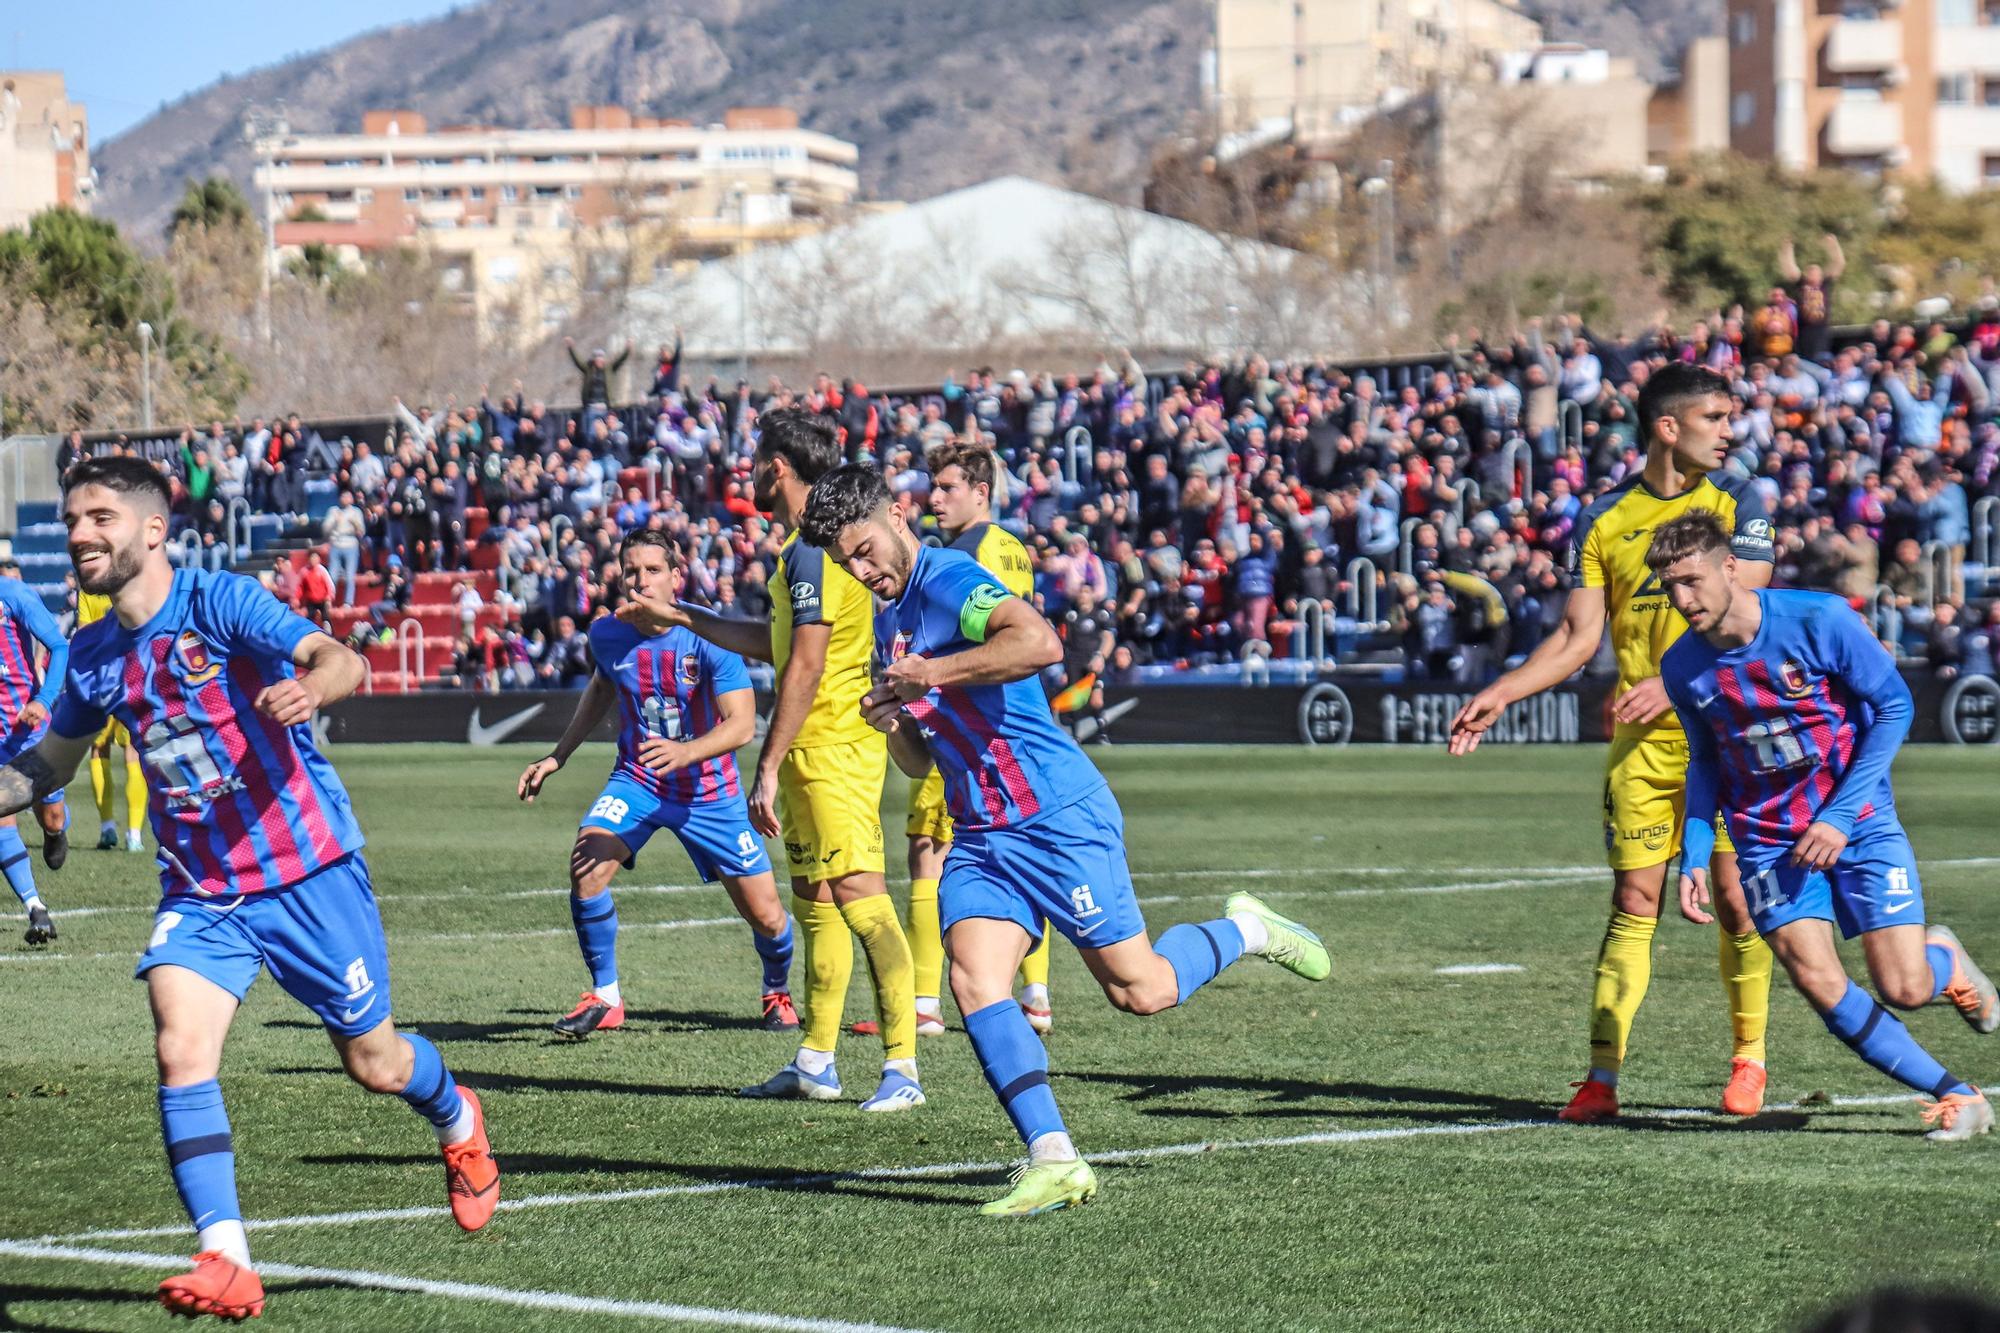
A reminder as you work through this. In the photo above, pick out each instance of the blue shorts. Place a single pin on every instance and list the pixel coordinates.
(1068, 866)
(1874, 884)
(321, 938)
(717, 834)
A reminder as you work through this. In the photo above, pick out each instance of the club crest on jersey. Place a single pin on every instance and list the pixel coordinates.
(690, 669)
(899, 646)
(1792, 680)
(196, 665)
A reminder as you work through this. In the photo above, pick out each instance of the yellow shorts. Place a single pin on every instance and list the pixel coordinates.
(830, 803)
(928, 817)
(114, 733)
(1645, 795)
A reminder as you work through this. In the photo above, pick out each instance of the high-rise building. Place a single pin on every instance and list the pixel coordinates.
(520, 216)
(1906, 86)
(44, 148)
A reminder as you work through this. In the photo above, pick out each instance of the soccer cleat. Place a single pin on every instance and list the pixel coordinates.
(471, 1176)
(590, 1015)
(930, 1022)
(107, 837)
(218, 1285)
(1043, 1187)
(1744, 1094)
(41, 926)
(792, 1081)
(899, 1092)
(135, 841)
(1042, 1020)
(1594, 1101)
(1291, 945)
(55, 846)
(866, 1027)
(779, 1015)
(1970, 991)
(1958, 1116)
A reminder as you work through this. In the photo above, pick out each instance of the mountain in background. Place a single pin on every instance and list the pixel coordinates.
(936, 96)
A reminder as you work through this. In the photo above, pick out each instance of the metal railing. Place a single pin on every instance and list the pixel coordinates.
(1986, 531)
(235, 531)
(1310, 641)
(1933, 573)
(1465, 485)
(1886, 618)
(411, 639)
(1568, 410)
(1520, 461)
(1406, 548)
(1364, 591)
(1255, 657)
(1076, 440)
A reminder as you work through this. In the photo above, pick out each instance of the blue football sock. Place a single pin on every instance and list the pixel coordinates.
(1941, 960)
(14, 861)
(431, 1091)
(199, 1153)
(1199, 952)
(597, 935)
(1016, 1066)
(1879, 1037)
(777, 955)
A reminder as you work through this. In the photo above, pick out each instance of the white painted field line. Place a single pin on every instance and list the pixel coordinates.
(562, 1302)
(1478, 969)
(866, 1175)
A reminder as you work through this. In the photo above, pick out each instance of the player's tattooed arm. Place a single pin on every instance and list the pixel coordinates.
(46, 768)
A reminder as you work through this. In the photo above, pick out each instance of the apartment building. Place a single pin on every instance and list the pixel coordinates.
(44, 147)
(1905, 86)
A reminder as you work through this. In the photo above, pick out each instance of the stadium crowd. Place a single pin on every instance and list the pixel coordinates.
(1193, 512)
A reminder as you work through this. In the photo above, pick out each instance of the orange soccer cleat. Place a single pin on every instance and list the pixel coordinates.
(218, 1285)
(779, 1013)
(471, 1176)
(1594, 1101)
(1970, 991)
(592, 1014)
(1745, 1093)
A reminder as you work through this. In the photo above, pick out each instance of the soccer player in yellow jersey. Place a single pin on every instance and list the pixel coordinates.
(90, 607)
(1684, 416)
(820, 775)
(963, 482)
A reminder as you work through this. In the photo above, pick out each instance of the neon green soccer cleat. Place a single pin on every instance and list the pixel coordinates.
(1043, 1187)
(1292, 946)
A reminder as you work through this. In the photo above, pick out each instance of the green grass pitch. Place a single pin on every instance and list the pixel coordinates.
(1492, 1217)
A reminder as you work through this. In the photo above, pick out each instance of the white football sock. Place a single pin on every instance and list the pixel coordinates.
(929, 1006)
(226, 1237)
(1054, 1147)
(907, 1068)
(1256, 935)
(813, 1062)
(1034, 995)
(31, 902)
(1606, 1076)
(460, 1128)
(608, 993)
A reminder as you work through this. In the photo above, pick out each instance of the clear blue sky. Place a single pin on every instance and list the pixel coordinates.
(123, 58)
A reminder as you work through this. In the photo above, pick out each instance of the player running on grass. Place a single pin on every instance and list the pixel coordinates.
(820, 775)
(684, 707)
(89, 608)
(1038, 833)
(962, 482)
(27, 692)
(1684, 418)
(1793, 714)
(260, 857)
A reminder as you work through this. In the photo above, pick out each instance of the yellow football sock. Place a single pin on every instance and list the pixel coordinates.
(100, 786)
(135, 795)
(926, 940)
(888, 951)
(1624, 967)
(829, 965)
(1746, 980)
(1035, 967)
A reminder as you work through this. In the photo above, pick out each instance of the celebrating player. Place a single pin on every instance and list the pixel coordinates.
(820, 775)
(260, 858)
(1684, 418)
(1038, 835)
(962, 482)
(684, 706)
(26, 695)
(90, 608)
(1793, 714)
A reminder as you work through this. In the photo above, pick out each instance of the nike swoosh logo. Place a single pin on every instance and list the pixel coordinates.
(349, 1015)
(477, 735)
(1891, 911)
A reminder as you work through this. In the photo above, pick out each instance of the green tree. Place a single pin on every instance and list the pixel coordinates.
(214, 202)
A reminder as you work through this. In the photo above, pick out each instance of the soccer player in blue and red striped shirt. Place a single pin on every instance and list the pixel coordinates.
(260, 857)
(1038, 835)
(1793, 714)
(27, 692)
(684, 707)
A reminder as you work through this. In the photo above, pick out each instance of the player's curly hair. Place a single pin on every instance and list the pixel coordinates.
(1697, 532)
(1672, 390)
(841, 498)
(807, 441)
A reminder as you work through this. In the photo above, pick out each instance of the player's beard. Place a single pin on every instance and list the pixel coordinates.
(123, 566)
